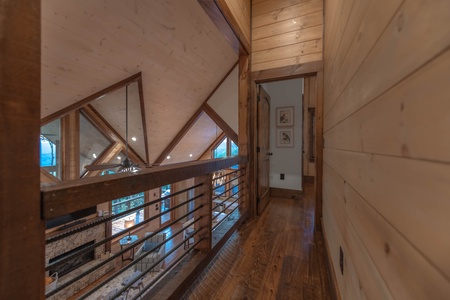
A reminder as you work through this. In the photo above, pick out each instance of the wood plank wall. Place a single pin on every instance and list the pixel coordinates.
(286, 33)
(386, 167)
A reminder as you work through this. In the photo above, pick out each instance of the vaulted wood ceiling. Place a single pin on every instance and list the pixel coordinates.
(90, 45)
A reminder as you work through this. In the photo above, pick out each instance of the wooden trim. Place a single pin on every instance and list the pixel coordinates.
(179, 136)
(74, 195)
(49, 177)
(285, 193)
(214, 13)
(289, 72)
(100, 123)
(144, 121)
(331, 274)
(220, 83)
(319, 150)
(229, 132)
(190, 123)
(229, 17)
(213, 145)
(90, 98)
(21, 227)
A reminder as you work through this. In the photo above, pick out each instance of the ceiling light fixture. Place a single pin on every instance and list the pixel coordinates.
(134, 139)
(168, 157)
(94, 155)
(190, 155)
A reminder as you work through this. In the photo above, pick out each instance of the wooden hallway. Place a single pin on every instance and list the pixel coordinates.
(275, 256)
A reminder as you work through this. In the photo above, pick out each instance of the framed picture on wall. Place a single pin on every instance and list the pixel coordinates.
(285, 116)
(285, 138)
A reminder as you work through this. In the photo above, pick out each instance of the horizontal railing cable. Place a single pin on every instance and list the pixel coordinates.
(102, 263)
(112, 237)
(173, 264)
(137, 260)
(107, 219)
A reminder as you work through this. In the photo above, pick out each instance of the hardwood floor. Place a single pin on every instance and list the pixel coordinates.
(275, 256)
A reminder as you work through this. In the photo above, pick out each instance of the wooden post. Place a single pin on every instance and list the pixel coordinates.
(21, 226)
(70, 128)
(319, 151)
(205, 212)
(244, 126)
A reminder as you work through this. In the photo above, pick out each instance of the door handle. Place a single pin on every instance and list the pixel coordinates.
(269, 153)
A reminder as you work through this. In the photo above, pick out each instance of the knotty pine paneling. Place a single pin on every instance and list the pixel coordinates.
(386, 161)
(286, 33)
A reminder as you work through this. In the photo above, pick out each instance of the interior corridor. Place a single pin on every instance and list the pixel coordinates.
(275, 256)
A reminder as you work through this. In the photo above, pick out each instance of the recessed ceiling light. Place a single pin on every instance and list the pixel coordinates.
(190, 155)
(118, 157)
(94, 155)
(134, 139)
(168, 157)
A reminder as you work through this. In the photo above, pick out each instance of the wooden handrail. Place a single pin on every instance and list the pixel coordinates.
(69, 196)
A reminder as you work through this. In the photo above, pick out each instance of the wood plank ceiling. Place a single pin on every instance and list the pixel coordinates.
(90, 45)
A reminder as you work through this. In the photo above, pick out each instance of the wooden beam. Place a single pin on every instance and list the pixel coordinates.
(21, 227)
(90, 98)
(96, 118)
(229, 132)
(190, 123)
(285, 73)
(70, 146)
(74, 195)
(231, 18)
(214, 13)
(179, 136)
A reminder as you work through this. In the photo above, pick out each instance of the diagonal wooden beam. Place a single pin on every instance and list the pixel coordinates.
(214, 13)
(191, 122)
(179, 136)
(229, 132)
(92, 114)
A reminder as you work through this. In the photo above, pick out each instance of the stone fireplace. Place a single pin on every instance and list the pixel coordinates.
(67, 245)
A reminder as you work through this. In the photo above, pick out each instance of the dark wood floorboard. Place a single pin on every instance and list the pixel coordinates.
(275, 256)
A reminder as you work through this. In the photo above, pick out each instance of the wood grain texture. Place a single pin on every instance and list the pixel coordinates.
(385, 161)
(229, 132)
(286, 33)
(237, 13)
(22, 266)
(73, 195)
(221, 23)
(276, 256)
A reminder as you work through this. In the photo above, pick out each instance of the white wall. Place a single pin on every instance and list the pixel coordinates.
(225, 100)
(287, 161)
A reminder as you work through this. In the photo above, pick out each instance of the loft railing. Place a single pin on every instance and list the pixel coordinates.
(208, 213)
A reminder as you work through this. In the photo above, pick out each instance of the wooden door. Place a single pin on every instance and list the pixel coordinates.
(263, 150)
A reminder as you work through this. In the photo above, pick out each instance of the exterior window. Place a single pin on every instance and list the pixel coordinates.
(165, 204)
(221, 150)
(50, 148)
(123, 204)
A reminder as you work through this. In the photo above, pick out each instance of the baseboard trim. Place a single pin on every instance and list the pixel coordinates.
(285, 193)
(332, 275)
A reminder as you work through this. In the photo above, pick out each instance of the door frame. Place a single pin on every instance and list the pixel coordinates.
(284, 73)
